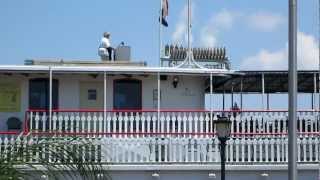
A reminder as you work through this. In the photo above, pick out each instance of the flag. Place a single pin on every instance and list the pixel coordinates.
(165, 12)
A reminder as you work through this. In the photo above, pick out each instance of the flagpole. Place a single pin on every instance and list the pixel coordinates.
(160, 32)
(159, 65)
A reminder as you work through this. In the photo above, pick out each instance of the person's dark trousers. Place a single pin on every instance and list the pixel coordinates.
(110, 50)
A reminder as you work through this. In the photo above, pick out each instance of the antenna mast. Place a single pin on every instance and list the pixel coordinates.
(189, 31)
(189, 61)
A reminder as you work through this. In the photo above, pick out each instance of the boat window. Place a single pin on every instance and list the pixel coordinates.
(39, 94)
(92, 94)
(127, 94)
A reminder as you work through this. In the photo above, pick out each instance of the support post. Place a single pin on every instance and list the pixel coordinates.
(105, 97)
(292, 144)
(314, 91)
(263, 91)
(318, 87)
(312, 101)
(232, 95)
(50, 98)
(241, 93)
(158, 103)
(268, 101)
(211, 92)
(318, 90)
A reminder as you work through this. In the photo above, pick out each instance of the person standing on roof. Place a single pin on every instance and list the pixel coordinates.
(105, 49)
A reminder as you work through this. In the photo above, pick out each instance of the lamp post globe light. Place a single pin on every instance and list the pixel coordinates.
(223, 131)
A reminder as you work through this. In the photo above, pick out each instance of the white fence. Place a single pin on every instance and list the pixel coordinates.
(182, 124)
(167, 150)
(177, 137)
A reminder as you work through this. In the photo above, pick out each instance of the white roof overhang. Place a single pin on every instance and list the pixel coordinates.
(116, 70)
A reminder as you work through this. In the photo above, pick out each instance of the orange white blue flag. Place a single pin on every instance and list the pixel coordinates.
(165, 12)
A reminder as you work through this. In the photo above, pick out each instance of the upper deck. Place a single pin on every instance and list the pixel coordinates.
(180, 133)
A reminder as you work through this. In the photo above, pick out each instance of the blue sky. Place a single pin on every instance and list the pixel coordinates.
(254, 32)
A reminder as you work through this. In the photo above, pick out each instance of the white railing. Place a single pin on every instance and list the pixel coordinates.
(170, 123)
(177, 137)
(135, 150)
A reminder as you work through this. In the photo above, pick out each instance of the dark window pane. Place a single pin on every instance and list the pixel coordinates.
(127, 94)
(39, 94)
(92, 94)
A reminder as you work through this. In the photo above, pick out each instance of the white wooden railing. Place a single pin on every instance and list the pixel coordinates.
(177, 137)
(133, 150)
(170, 123)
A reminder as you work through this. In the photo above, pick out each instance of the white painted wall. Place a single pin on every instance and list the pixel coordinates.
(68, 92)
(188, 94)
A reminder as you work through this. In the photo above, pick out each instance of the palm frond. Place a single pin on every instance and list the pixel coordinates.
(28, 157)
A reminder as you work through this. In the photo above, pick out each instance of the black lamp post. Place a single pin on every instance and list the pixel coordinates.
(223, 131)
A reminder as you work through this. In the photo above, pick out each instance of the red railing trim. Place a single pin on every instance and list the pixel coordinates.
(10, 132)
(171, 133)
(163, 110)
(153, 133)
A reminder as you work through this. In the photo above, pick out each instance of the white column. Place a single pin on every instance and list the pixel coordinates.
(263, 91)
(104, 100)
(50, 97)
(314, 91)
(159, 102)
(241, 94)
(211, 91)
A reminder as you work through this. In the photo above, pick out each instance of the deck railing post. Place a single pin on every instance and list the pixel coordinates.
(314, 91)
(158, 102)
(232, 95)
(263, 91)
(50, 98)
(268, 101)
(241, 93)
(211, 93)
(104, 99)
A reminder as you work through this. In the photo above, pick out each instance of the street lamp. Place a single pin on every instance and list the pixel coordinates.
(223, 131)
